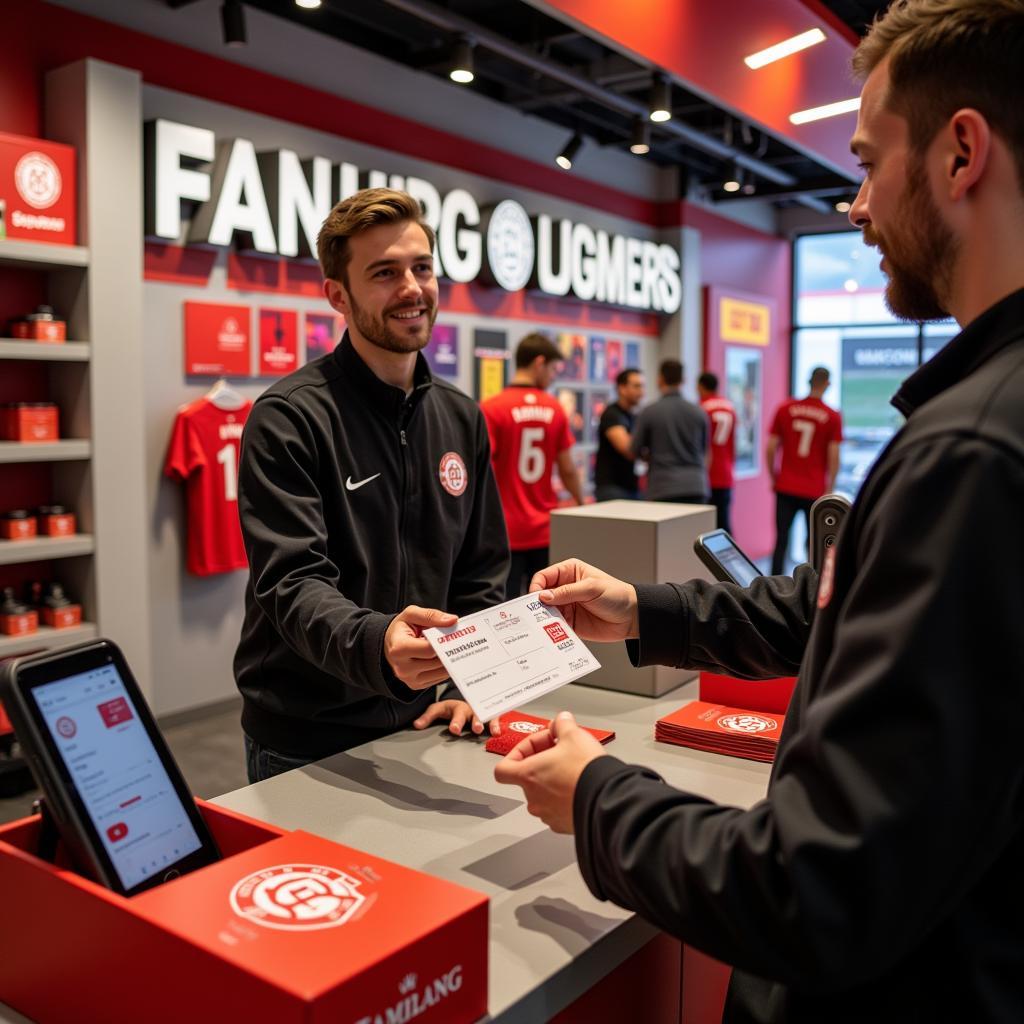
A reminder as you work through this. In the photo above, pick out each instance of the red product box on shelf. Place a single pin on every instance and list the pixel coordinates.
(770, 695)
(50, 331)
(19, 623)
(37, 190)
(57, 524)
(287, 927)
(29, 421)
(18, 525)
(64, 617)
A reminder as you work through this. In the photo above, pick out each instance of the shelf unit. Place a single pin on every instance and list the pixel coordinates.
(67, 371)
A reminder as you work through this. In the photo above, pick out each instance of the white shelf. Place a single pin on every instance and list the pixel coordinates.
(42, 549)
(63, 352)
(45, 451)
(42, 255)
(47, 638)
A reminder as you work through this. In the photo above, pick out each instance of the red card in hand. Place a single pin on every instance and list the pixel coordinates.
(517, 725)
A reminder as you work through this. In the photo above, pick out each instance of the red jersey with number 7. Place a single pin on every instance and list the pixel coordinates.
(203, 452)
(528, 430)
(722, 417)
(805, 428)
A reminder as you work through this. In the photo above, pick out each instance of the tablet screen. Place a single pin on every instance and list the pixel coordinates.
(119, 776)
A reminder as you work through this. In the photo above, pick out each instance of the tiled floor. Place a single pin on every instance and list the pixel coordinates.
(208, 751)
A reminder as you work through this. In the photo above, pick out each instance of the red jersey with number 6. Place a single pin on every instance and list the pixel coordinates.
(722, 416)
(805, 428)
(204, 452)
(528, 430)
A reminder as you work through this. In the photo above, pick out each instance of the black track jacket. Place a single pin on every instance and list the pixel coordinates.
(882, 878)
(352, 507)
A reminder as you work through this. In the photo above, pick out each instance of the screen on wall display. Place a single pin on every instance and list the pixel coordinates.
(279, 342)
(598, 361)
(323, 331)
(613, 356)
(632, 355)
(490, 349)
(574, 354)
(442, 351)
(216, 340)
(572, 401)
(743, 389)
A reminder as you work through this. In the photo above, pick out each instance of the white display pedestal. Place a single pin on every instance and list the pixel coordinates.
(642, 542)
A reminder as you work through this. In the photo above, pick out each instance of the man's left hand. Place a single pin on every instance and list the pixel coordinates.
(548, 765)
(459, 712)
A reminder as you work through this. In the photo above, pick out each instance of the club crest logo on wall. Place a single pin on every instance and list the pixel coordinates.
(297, 897)
(38, 180)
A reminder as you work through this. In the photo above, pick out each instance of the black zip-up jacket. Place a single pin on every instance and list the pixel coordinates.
(347, 520)
(882, 878)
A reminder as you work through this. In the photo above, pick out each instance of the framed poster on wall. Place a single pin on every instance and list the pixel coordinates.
(216, 340)
(442, 351)
(491, 351)
(743, 387)
(323, 331)
(574, 354)
(279, 341)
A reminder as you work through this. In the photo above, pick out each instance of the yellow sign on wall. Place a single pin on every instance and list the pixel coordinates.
(745, 322)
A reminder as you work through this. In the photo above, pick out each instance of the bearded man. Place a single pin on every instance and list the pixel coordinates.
(367, 505)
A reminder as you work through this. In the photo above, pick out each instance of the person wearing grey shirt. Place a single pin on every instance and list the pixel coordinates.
(671, 436)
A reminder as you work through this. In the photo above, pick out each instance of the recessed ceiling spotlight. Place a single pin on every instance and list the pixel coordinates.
(309, 5)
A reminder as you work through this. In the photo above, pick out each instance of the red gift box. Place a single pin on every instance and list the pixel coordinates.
(57, 524)
(287, 927)
(64, 617)
(37, 189)
(28, 421)
(756, 694)
(19, 623)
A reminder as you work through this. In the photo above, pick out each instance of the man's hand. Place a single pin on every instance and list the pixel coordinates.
(596, 605)
(459, 712)
(548, 765)
(408, 653)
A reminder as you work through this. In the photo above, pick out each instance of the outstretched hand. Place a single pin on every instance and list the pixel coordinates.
(409, 653)
(596, 605)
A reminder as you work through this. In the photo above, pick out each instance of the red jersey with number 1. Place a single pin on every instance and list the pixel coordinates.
(204, 450)
(528, 430)
(722, 416)
(805, 428)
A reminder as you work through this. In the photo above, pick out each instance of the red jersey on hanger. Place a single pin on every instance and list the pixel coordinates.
(723, 441)
(528, 430)
(203, 452)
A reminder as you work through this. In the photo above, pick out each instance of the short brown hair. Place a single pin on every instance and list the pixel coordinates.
(360, 212)
(945, 55)
(536, 344)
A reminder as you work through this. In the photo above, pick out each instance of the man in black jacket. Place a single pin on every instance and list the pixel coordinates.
(880, 878)
(367, 505)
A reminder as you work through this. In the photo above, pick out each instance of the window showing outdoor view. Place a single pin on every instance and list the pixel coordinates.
(841, 322)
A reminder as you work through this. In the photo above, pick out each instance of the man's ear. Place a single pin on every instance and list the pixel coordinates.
(337, 296)
(968, 149)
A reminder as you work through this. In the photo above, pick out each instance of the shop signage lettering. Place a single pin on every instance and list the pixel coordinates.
(274, 203)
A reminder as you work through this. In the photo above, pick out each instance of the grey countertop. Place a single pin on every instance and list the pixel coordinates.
(429, 801)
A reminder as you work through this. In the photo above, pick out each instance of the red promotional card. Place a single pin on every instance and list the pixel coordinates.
(721, 729)
(37, 190)
(216, 340)
(517, 725)
(279, 342)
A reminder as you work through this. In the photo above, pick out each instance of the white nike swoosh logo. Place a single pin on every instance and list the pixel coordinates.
(355, 487)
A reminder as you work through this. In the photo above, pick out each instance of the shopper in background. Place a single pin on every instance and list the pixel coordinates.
(671, 436)
(722, 419)
(530, 434)
(879, 880)
(807, 432)
(614, 471)
(367, 506)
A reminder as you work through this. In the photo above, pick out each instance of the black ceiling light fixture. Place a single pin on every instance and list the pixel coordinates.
(661, 99)
(232, 17)
(462, 62)
(640, 144)
(569, 151)
(732, 182)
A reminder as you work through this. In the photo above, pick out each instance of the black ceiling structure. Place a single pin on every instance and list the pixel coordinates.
(534, 63)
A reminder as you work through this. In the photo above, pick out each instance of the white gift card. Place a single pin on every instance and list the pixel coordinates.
(508, 655)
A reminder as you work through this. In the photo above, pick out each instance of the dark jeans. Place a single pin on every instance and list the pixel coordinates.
(721, 498)
(263, 763)
(524, 564)
(612, 492)
(786, 508)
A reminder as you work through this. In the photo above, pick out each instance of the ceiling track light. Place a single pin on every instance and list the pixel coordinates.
(640, 144)
(232, 19)
(733, 182)
(661, 99)
(568, 154)
(462, 62)
(309, 5)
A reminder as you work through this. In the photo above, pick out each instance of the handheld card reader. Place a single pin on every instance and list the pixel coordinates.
(725, 559)
(110, 783)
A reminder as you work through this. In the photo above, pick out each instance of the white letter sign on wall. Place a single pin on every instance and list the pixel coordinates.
(275, 203)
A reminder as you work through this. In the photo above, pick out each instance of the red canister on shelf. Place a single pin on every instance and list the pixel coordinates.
(18, 524)
(16, 619)
(40, 325)
(28, 421)
(58, 610)
(56, 521)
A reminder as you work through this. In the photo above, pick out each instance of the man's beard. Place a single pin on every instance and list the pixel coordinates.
(377, 331)
(919, 254)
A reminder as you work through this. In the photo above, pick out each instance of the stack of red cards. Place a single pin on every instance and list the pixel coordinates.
(722, 730)
(517, 725)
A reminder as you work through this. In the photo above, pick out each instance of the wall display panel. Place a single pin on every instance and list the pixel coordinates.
(614, 359)
(442, 351)
(574, 354)
(598, 360)
(490, 349)
(322, 332)
(743, 387)
(279, 341)
(216, 340)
